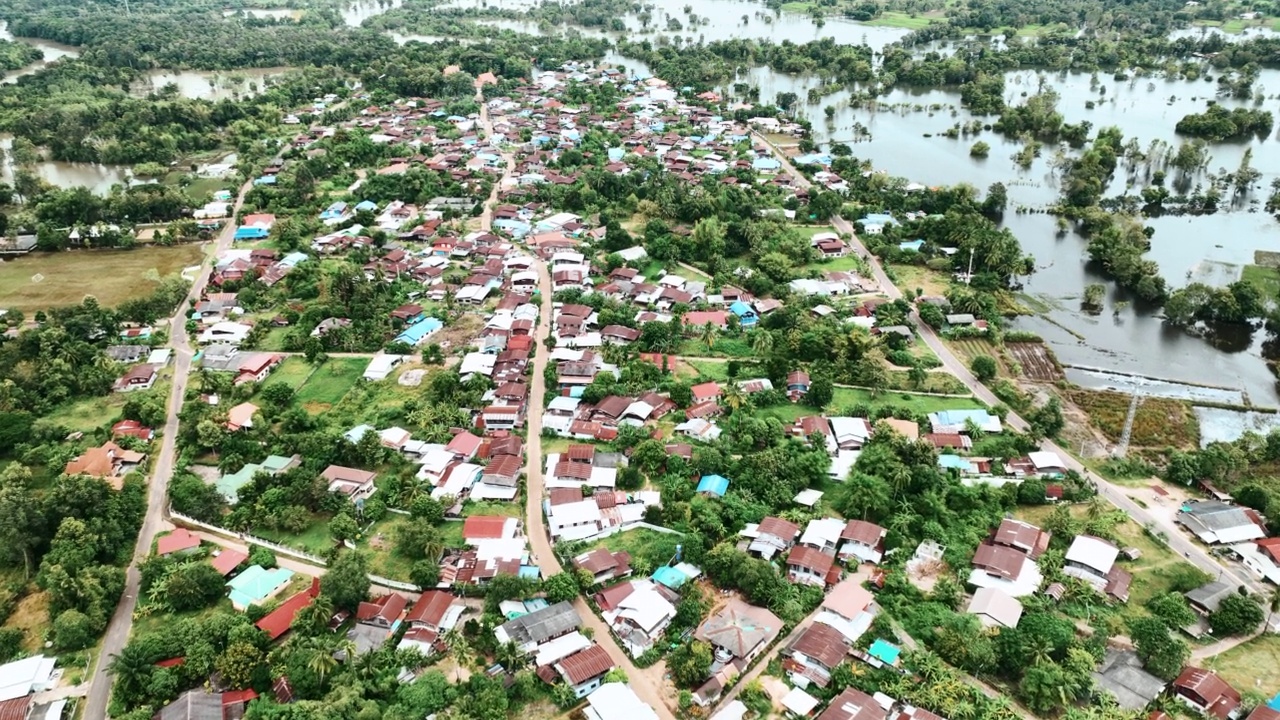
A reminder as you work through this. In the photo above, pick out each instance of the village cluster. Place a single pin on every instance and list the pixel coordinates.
(501, 277)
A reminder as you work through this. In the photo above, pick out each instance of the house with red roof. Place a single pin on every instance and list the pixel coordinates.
(811, 566)
(489, 527)
(278, 621)
(227, 561)
(178, 542)
(464, 446)
(132, 428)
(383, 611)
(1206, 693)
(705, 392)
(432, 615)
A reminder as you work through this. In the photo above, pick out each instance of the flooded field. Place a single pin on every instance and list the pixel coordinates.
(1217, 425)
(210, 85)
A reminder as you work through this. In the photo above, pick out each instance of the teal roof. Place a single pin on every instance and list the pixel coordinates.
(714, 484)
(356, 433)
(256, 584)
(884, 651)
(953, 462)
(229, 485)
(670, 577)
(276, 463)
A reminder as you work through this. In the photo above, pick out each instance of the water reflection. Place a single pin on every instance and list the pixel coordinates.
(210, 85)
(357, 12)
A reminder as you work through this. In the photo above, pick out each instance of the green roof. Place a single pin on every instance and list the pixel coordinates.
(276, 463)
(229, 485)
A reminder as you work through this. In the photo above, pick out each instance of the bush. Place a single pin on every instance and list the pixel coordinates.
(10, 643)
(984, 367)
(73, 630)
(979, 149)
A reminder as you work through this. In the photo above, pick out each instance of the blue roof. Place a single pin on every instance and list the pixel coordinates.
(911, 245)
(536, 604)
(740, 308)
(879, 219)
(265, 180)
(960, 417)
(670, 577)
(616, 154)
(256, 583)
(814, 159)
(367, 205)
(415, 333)
(952, 462)
(293, 259)
(884, 651)
(356, 433)
(765, 163)
(1275, 703)
(715, 484)
(251, 233)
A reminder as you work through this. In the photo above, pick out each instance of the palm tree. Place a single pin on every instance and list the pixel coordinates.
(761, 342)
(733, 397)
(131, 668)
(511, 657)
(320, 659)
(709, 334)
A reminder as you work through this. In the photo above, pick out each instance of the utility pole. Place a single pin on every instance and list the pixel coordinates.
(968, 278)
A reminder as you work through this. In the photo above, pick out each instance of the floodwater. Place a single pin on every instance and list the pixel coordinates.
(266, 13)
(1148, 387)
(210, 85)
(1218, 425)
(357, 12)
(96, 177)
(52, 51)
(402, 38)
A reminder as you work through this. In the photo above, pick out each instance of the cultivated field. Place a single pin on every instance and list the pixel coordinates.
(1037, 361)
(41, 281)
(1158, 423)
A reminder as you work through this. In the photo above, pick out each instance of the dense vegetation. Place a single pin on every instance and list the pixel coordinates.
(1219, 123)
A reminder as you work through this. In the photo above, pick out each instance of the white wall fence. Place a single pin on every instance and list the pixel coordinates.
(295, 553)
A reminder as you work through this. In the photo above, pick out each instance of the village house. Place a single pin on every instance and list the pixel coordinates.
(638, 611)
(1206, 693)
(1093, 560)
(109, 461)
(356, 484)
(432, 615)
(811, 566)
(584, 670)
(862, 540)
(138, 377)
(1002, 567)
(815, 653)
(773, 535)
(538, 627)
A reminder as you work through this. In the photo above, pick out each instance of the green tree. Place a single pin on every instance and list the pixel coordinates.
(690, 663)
(242, 665)
(343, 527)
(1236, 615)
(1162, 654)
(821, 391)
(560, 587)
(984, 367)
(1172, 608)
(73, 630)
(346, 582)
(194, 585)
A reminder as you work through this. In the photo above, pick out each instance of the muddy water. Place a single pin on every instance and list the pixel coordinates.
(52, 51)
(207, 85)
(266, 13)
(98, 178)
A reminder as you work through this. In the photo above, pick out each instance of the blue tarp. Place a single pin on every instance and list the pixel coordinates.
(367, 205)
(960, 417)
(765, 163)
(714, 484)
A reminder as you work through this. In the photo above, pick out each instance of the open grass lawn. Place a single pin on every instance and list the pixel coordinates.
(918, 277)
(1254, 665)
(846, 263)
(1158, 423)
(329, 383)
(649, 550)
(383, 560)
(315, 539)
(273, 341)
(903, 20)
(293, 372)
(513, 509)
(41, 281)
(1265, 279)
(89, 414)
(709, 369)
(724, 346)
(376, 403)
(846, 398)
(936, 382)
(451, 534)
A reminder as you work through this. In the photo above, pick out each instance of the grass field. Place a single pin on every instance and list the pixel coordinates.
(92, 413)
(293, 372)
(739, 347)
(1254, 665)
(917, 277)
(112, 276)
(846, 398)
(385, 561)
(315, 539)
(649, 550)
(31, 616)
(902, 20)
(330, 383)
(1265, 279)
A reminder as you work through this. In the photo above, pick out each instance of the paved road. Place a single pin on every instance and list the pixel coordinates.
(157, 492)
(1177, 539)
(646, 686)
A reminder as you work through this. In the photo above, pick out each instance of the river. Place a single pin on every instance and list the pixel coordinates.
(52, 51)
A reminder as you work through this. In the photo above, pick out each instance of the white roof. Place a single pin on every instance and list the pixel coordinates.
(1093, 552)
(23, 677)
(566, 355)
(159, 356)
(475, 362)
(823, 531)
(583, 511)
(524, 275)
(997, 605)
(646, 606)
(1044, 459)
(848, 428)
(499, 549)
(563, 403)
(462, 478)
(617, 701)
(733, 711)
(632, 254)
(808, 498)
(799, 702)
(485, 491)
(434, 462)
(380, 366)
(561, 648)
(842, 463)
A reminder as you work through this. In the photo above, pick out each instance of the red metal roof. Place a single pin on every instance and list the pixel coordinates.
(228, 560)
(484, 527)
(430, 608)
(278, 621)
(177, 541)
(586, 664)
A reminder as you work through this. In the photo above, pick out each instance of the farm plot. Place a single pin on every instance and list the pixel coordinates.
(1158, 423)
(970, 348)
(1037, 361)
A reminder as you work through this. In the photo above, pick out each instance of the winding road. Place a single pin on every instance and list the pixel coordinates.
(1175, 537)
(161, 473)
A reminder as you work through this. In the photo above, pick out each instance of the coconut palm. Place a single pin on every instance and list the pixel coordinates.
(709, 334)
(320, 659)
(733, 397)
(761, 342)
(131, 669)
(511, 657)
